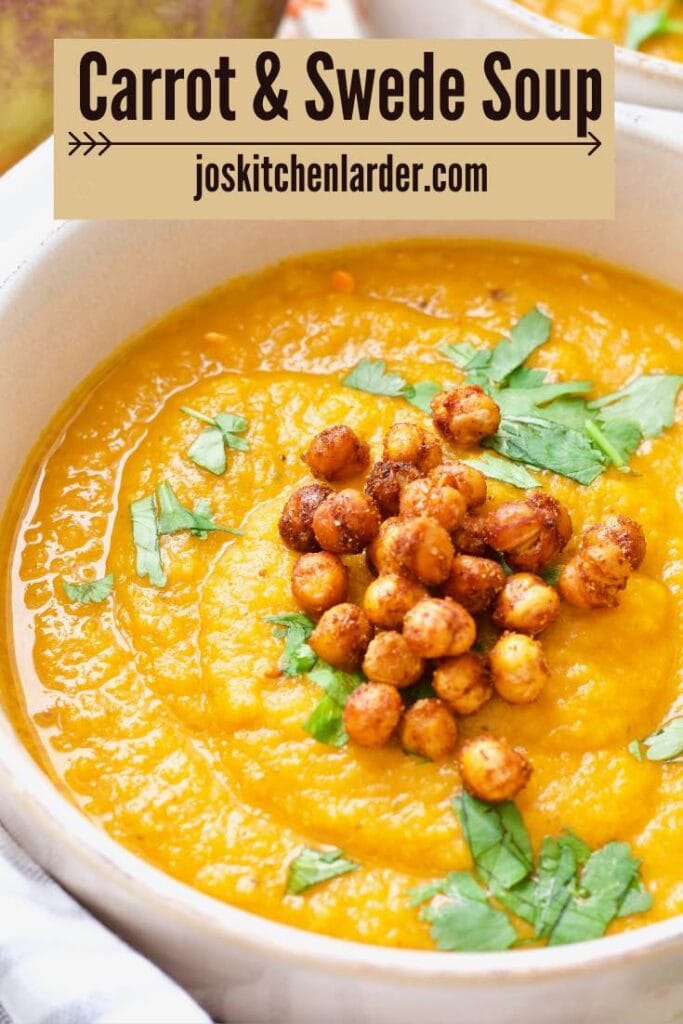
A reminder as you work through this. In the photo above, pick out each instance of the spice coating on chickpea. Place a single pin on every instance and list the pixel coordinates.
(492, 770)
(421, 548)
(596, 576)
(429, 729)
(530, 533)
(319, 581)
(439, 628)
(466, 479)
(464, 683)
(381, 553)
(465, 415)
(296, 521)
(526, 604)
(474, 582)
(471, 537)
(345, 523)
(626, 533)
(390, 660)
(372, 713)
(439, 501)
(409, 442)
(336, 453)
(342, 636)
(384, 483)
(388, 599)
(519, 668)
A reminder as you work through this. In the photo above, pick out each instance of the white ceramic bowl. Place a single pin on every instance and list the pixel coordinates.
(639, 77)
(85, 288)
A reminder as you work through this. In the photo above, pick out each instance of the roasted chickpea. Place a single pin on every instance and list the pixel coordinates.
(439, 501)
(423, 549)
(384, 483)
(474, 582)
(595, 576)
(388, 598)
(530, 533)
(470, 538)
(319, 581)
(492, 770)
(345, 523)
(469, 481)
(390, 660)
(336, 454)
(409, 442)
(526, 604)
(428, 729)
(381, 552)
(296, 521)
(439, 628)
(464, 682)
(342, 636)
(519, 669)
(626, 533)
(372, 713)
(465, 415)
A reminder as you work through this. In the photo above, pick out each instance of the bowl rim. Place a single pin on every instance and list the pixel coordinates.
(634, 60)
(45, 820)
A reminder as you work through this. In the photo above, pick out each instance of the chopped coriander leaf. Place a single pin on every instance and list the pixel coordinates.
(525, 377)
(326, 722)
(208, 449)
(555, 883)
(461, 917)
(461, 353)
(602, 889)
(634, 750)
(666, 744)
(89, 593)
(546, 445)
(420, 395)
(637, 899)
(551, 575)
(648, 401)
(526, 401)
(501, 850)
(311, 867)
(143, 517)
(499, 469)
(295, 629)
(370, 375)
(642, 27)
(528, 334)
(175, 517)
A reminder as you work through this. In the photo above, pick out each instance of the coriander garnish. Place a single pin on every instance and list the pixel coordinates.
(649, 24)
(505, 472)
(174, 517)
(370, 375)
(89, 593)
(208, 449)
(571, 895)
(665, 744)
(143, 517)
(311, 867)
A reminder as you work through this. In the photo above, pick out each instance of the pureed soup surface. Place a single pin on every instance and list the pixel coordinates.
(609, 20)
(160, 710)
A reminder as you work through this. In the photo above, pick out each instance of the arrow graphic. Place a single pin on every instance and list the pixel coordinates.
(88, 144)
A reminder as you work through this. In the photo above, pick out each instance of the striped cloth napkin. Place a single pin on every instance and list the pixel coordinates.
(58, 965)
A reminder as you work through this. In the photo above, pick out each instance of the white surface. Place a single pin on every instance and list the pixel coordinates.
(56, 321)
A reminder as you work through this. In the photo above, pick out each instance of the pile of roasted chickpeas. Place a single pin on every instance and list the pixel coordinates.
(439, 560)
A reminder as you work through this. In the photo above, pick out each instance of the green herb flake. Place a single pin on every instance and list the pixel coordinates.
(461, 917)
(505, 472)
(649, 402)
(645, 26)
(143, 517)
(420, 395)
(552, 574)
(528, 334)
(90, 593)
(666, 744)
(634, 750)
(462, 353)
(174, 517)
(370, 375)
(295, 629)
(208, 449)
(547, 445)
(311, 867)
(326, 722)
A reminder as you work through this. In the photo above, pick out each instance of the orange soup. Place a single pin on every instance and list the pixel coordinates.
(161, 708)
